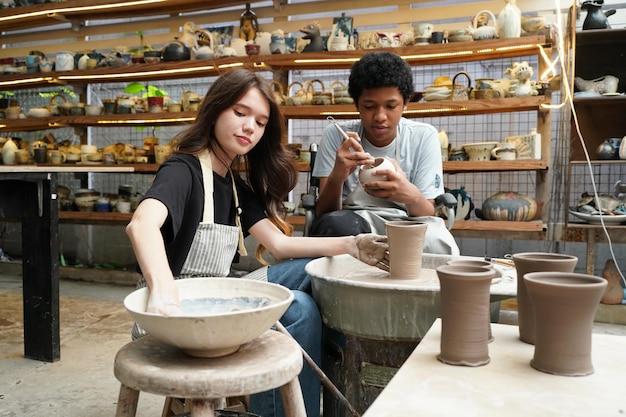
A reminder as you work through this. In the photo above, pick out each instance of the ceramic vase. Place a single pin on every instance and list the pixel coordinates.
(8, 152)
(535, 262)
(510, 21)
(464, 312)
(564, 305)
(406, 242)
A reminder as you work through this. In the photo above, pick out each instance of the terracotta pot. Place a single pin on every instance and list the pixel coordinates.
(464, 312)
(406, 242)
(564, 305)
(535, 262)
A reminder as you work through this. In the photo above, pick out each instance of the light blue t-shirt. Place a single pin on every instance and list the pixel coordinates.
(416, 148)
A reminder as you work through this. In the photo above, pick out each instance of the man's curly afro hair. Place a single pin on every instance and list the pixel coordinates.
(380, 69)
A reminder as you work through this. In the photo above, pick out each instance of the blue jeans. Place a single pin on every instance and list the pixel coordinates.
(303, 321)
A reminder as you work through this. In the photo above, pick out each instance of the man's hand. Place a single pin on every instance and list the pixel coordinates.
(349, 156)
(371, 249)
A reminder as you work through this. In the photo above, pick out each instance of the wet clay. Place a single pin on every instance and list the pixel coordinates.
(464, 312)
(406, 243)
(564, 305)
(535, 262)
(481, 264)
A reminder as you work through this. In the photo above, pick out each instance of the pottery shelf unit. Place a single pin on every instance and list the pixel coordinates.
(280, 64)
(598, 52)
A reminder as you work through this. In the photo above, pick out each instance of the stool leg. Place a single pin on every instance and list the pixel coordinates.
(202, 408)
(291, 394)
(127, 402)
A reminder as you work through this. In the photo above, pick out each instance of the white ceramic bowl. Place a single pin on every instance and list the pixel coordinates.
(366, 171)
(480, 151)
(39, 112)
(219, 314)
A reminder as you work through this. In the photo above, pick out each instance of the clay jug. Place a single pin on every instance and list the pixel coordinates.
(8, 152)
(564, 305)
(406, 242)
(464, 312)
(510, 21)
(535, 262)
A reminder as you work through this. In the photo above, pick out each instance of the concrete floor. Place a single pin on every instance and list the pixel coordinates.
(94, 326)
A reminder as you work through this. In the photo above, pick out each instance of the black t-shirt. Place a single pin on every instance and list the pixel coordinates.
(179, 185)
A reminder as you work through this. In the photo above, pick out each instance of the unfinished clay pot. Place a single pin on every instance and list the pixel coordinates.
(535, 262)
(464, 312)
(564, 305)
(406, 242)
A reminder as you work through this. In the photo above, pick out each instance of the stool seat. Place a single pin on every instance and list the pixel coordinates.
(270, 361)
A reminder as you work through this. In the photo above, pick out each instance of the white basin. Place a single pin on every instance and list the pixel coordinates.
(219, 314)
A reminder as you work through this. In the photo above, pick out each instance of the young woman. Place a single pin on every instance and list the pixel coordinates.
(228, 177)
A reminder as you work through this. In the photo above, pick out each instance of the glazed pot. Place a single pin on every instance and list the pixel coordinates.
(509, 206)
(485, 31)
(176, 51)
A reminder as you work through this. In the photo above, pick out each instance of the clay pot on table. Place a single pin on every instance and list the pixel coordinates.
(527, 262)
(464, 314)
(564, 305)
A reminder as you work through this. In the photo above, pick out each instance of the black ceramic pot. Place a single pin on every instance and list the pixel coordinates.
(176, 51)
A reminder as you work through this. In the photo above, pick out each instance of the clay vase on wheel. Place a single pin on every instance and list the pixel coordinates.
(464, 314)
(535, 262)
(564, 305)
(406, 242)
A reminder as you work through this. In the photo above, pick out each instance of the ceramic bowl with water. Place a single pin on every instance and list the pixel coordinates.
(219, 314)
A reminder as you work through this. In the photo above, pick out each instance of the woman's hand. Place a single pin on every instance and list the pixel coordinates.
(164, 301)
(371, 249)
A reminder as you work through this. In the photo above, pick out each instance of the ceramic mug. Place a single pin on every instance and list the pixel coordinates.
(424, 30)
(505, 152)
(622, 149)
(56, 157)
(21, 156)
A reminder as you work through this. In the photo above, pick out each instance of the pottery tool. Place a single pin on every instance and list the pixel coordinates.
(344, 135)
(506, 262)
(318, 371)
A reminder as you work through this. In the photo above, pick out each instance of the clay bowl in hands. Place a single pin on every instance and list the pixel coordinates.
(366, 171)
(219, 314)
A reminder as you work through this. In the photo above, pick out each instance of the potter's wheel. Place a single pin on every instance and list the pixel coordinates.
(362, 300)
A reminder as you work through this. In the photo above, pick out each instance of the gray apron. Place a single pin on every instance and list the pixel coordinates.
(214, 245)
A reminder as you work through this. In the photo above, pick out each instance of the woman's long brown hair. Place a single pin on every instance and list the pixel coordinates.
(268, 169)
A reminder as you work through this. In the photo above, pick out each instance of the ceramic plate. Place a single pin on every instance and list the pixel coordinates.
(595, 218)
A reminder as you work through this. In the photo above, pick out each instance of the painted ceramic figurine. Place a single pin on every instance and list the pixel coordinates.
(248, 24)
(596, 18)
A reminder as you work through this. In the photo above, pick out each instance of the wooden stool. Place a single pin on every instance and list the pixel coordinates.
(270, 361)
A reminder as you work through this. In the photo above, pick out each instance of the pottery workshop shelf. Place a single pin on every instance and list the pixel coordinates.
(80, 10)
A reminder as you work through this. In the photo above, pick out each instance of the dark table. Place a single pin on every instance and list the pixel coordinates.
(31, 198)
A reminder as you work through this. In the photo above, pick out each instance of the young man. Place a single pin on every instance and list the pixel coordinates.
(381, 84)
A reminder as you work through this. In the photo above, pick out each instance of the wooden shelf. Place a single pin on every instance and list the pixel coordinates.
(79, 11)
(94, 217)
(533, 230)
(452, 167)
(423, 55)
(338, 111)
